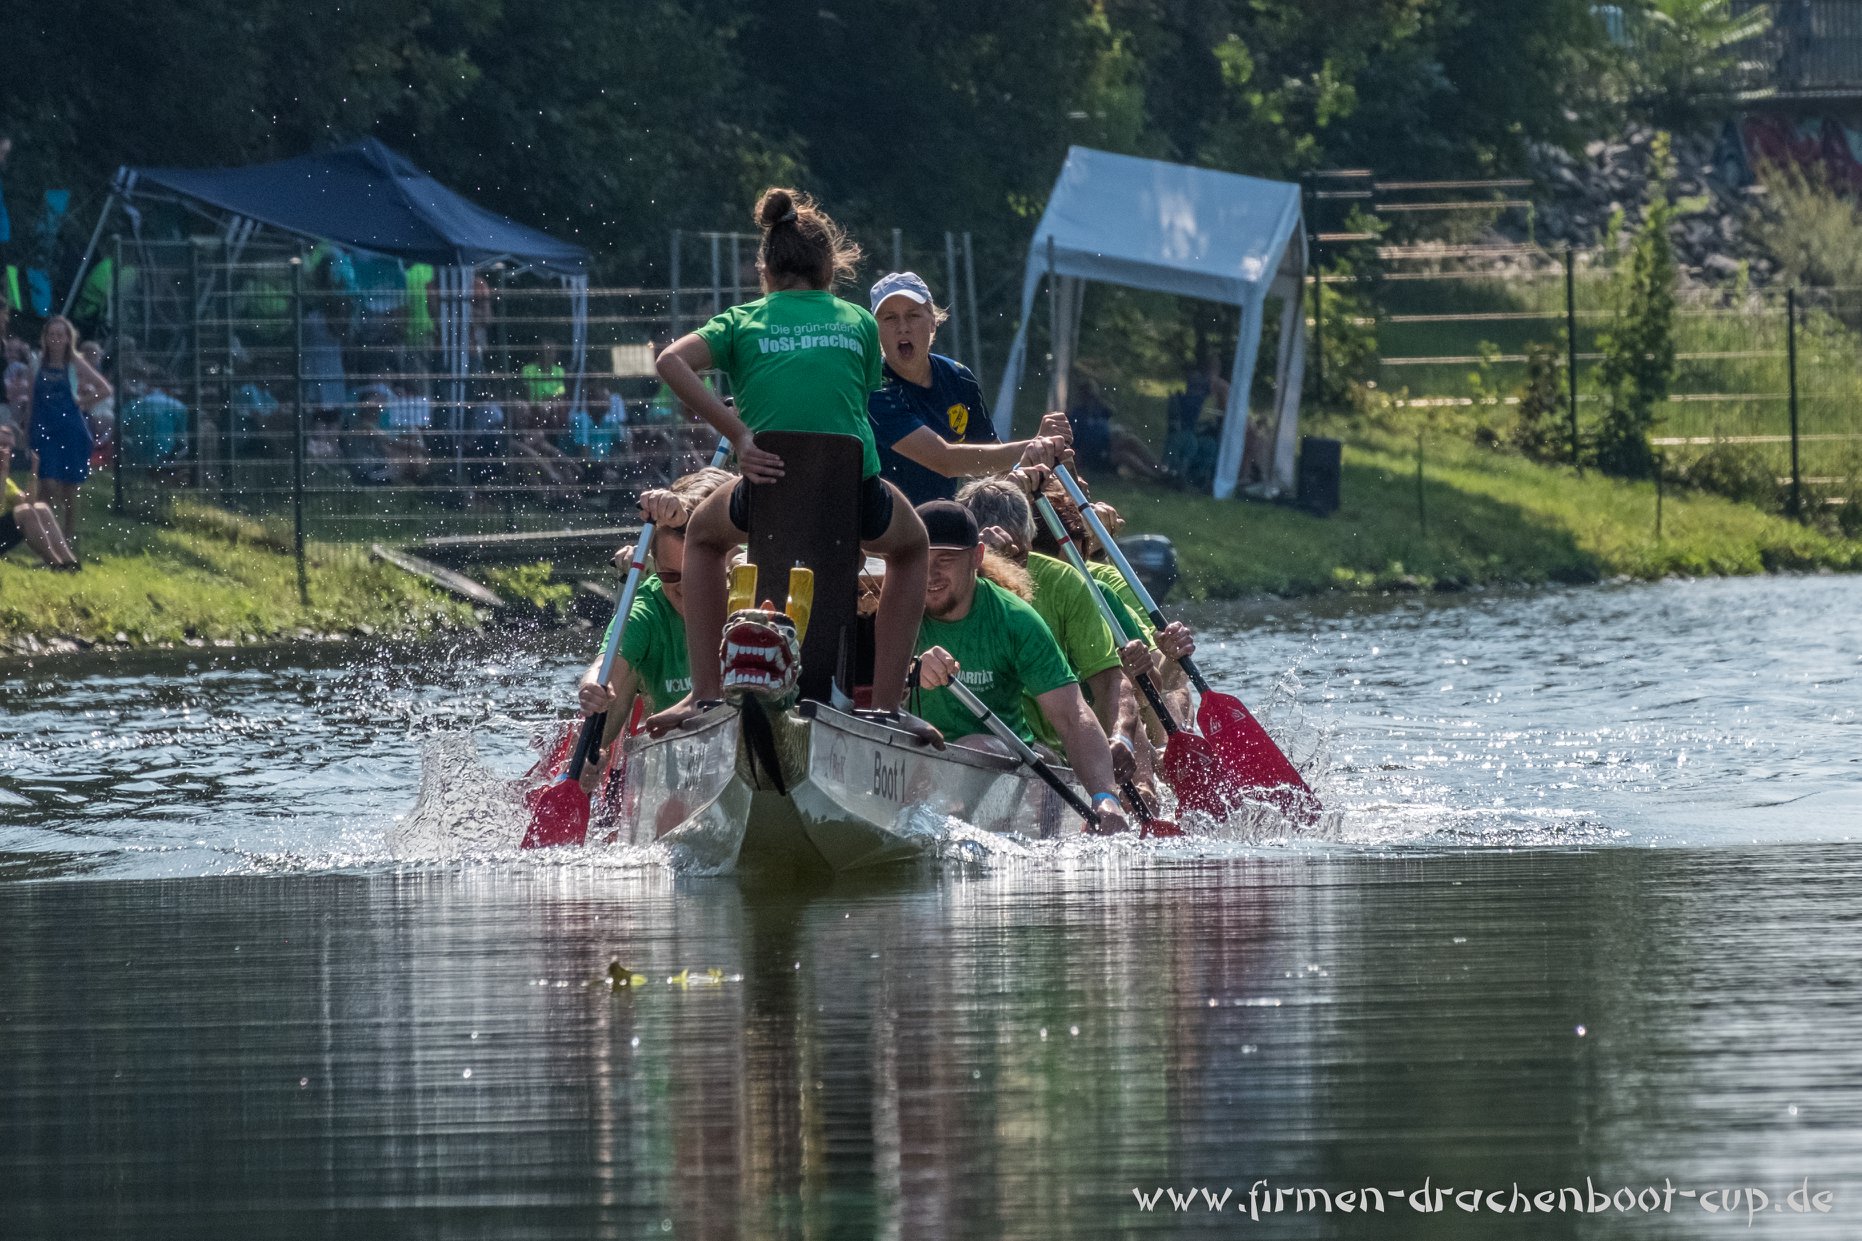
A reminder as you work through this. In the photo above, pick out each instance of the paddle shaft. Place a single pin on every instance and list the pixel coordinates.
(1023, 751)
(595, 724)
(1123, 565)
(1059, 531)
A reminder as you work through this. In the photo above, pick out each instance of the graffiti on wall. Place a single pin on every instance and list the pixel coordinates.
(1821, 143)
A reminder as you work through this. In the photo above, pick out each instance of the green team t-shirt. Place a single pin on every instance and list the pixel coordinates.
(654, 646)
(544, 383)
(1003, 650)
(1061, 600)
(1124, 601)
(801, 361)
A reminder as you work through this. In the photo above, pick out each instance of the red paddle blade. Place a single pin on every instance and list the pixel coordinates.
(1250, 760)
(1193, 769)
(558, 816)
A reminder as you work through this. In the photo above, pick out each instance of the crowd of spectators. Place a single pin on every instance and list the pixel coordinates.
(381, 404)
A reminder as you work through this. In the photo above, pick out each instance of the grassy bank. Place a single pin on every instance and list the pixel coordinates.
(1486, 517)
(205, 577)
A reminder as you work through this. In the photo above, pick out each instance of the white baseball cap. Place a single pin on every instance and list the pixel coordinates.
(902, 284)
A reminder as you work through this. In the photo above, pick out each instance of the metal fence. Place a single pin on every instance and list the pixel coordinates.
(1807, 49)
(252, 377)
(1417, 294)
(251, 382)
(1769, 376)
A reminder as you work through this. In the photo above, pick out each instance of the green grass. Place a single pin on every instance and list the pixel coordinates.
(1488, 517)
(1731, 380)
(205, 575)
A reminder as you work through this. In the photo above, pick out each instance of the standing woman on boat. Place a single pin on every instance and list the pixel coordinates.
(799, 359)
(55, 426)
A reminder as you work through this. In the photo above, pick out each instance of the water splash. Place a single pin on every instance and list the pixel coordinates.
(464, 808)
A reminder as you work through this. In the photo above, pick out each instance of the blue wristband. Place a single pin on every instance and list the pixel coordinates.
(1099, 797)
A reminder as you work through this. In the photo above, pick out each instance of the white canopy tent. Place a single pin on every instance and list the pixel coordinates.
(1194, 232)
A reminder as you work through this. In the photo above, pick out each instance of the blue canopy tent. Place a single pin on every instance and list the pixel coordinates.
(368, 197)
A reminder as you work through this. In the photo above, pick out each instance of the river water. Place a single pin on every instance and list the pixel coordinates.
(1584, 918)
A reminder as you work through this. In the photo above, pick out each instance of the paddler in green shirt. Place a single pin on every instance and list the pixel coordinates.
(1154, 651)
(1173, 642)
(799, 359)
(984, 635)
(652, 662)
(1061, 598)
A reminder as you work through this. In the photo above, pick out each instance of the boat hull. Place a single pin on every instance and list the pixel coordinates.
(818, 789)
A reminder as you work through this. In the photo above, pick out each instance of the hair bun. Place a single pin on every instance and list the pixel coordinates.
(777, 207)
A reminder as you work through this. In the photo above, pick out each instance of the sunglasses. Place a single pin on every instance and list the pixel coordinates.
(670, 577)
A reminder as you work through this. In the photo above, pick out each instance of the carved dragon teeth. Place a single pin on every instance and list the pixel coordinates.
(760, 654)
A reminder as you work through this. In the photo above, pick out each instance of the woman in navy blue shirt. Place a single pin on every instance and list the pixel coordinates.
(929, 419)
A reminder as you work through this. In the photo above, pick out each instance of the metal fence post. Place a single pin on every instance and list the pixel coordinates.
(950, 295)
(121, 457)
(1571, 349)
(1318, 318)
(1790, 366)
(297, 440)
(976, 316)
(673, 279)
(196, 449)
(1661, 470)
(1422, 514)
(717, 276)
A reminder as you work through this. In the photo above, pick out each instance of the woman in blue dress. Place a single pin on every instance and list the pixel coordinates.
(55, 427)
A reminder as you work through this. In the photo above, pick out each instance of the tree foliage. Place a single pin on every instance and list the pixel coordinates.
(612, 123)
(1638, 364)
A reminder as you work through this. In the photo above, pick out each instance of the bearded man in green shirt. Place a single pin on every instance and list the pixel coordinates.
(994, 642)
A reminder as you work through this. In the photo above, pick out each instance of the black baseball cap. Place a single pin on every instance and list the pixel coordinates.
(950, 525)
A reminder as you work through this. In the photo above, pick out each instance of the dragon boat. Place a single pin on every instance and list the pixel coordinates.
(783, 773)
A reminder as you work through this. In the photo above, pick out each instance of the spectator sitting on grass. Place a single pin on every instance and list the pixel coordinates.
(18, 390)
(363, 442)
(23, 518)
(535, 452)
(485, 436)
(543, 379)
(1101, 441)
(406, 419)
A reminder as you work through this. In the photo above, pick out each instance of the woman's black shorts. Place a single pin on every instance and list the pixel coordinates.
(9, 532)
(875, 507)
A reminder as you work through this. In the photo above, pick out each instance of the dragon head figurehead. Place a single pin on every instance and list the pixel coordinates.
(761, 656)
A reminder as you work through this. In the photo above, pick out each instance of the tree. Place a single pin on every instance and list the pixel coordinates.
(1639, 348)
(1684, 56)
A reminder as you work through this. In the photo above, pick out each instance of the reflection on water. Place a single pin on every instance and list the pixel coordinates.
(1006, 1055)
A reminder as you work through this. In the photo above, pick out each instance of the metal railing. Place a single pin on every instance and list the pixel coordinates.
(1772, 377)
(252, 382)
(1808, 49)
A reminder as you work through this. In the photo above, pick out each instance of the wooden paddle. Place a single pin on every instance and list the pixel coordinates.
(1247, 757)
(1026, 754)
(559, 810)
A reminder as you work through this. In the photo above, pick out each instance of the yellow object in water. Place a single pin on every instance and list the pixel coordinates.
(743, 588)
(801, 599)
